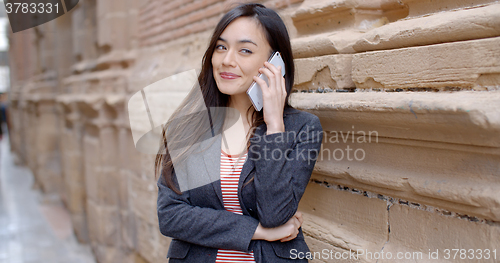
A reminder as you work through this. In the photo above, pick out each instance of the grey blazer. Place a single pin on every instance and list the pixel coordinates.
(197, 221)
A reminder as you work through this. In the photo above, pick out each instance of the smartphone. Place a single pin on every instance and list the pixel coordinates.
(255, 92)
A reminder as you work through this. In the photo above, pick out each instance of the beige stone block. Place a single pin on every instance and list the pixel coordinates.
(122, 185)
(164, 244)
(192, 17)
(325, 252)
(109, 225)
(427, 177)
(80, 227)
(49, 177)
(166, 60)
(75, 198)
(64, 36)
(315, 45)
(142, 198)
(91, 167)
(103, 224)
(108, 142)
(466, 117)
(128, 229)
(78, 17)
(426, 7)
(88, 34)
(112, 31)
(314, 17)
(177, 9)
(147, 240)
(47, 139)
(129, 156)
(111, 7)
(124, 145)
(190, 29)
(140, 259)
(109, 187)
(101, 252)
(467, 24)
(459, 65)
(333, 71)
(441, 27)
(342, 219)
(94, 224)
(107, 254)
(414, 230)
(72, 165)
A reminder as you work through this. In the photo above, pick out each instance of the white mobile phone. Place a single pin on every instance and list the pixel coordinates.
(255, 92)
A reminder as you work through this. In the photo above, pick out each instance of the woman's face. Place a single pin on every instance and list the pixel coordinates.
(240, 51)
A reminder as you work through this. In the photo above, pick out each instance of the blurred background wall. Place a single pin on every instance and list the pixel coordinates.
(407, 92)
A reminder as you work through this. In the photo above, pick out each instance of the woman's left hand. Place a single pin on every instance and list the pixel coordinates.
(273, 97)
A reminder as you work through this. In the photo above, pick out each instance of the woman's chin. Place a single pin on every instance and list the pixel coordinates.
(231, 91)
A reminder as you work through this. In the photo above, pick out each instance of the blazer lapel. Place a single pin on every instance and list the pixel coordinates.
(211, 158)
(249, 165)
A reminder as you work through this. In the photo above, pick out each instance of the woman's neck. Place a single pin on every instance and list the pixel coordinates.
(236, 124)
(241, 102)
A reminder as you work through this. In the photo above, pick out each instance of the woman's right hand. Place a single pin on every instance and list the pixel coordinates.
(297, 217)
(284, 233)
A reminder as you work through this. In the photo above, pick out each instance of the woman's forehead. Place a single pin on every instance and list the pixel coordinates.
(242, 29)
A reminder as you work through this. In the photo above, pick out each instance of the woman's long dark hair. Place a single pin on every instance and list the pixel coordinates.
(279, 40)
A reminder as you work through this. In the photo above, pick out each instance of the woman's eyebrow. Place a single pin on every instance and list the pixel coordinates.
(241, 41)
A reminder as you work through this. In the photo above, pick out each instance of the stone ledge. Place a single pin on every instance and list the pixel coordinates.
(320, 16)
(471, 196)
(411, 115)
(426, 7)
(473, 64)
(444, 27)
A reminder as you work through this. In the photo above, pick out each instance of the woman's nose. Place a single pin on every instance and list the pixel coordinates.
(229, 59)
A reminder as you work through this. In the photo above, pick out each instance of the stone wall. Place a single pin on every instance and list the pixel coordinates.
(407, 92)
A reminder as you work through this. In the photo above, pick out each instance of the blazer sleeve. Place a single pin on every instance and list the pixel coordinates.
(284, 163)
(202, 226)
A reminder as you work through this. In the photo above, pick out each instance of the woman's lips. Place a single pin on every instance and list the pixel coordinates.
(227, 75)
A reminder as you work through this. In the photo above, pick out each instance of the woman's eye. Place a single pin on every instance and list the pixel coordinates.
(246, 51)
(220, 47)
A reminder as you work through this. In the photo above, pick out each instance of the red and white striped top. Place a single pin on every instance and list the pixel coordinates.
(230, 170)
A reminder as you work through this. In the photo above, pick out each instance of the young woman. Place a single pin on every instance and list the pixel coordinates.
(261, 160)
